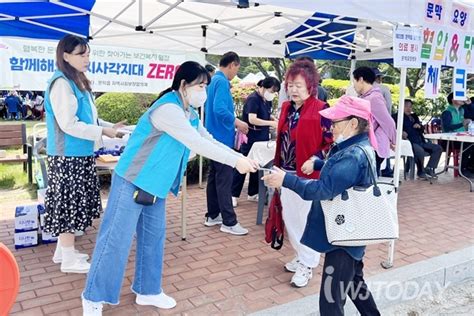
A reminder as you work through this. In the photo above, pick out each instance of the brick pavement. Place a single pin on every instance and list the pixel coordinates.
(212, 273)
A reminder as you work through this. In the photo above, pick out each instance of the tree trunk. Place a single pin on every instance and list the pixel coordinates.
(259, 66)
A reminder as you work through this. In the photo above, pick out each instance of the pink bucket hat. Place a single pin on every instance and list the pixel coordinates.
(352, 106)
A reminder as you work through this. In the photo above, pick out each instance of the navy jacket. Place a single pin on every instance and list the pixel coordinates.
(346, 166)
(415, 135)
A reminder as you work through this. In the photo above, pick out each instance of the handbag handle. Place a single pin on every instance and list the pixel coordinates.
(371, 171)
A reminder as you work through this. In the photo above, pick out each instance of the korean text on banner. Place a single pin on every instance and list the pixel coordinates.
(407, 47)
(460, 40)
(459, 84)
(435, 11)
(432, 80)
(28, 65)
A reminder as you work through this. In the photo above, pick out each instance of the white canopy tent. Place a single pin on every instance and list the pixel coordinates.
(219, 26)
(211, 26)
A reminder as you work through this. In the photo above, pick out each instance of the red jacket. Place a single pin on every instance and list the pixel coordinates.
(309, 134)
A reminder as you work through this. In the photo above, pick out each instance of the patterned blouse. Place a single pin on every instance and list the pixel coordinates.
(288, 138)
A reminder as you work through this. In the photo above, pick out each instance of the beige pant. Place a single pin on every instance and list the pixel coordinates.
(295, 213)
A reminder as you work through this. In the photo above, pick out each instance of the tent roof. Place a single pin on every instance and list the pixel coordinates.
(26, 18)
(397, 11)
(275, 28)
(164, 24)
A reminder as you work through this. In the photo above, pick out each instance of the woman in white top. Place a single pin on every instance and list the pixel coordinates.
(72, 198)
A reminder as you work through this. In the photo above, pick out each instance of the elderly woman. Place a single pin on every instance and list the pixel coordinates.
(303, 136)
(347, 166)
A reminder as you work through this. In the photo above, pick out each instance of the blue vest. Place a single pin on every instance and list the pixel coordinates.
(153, 160)
(58, 142)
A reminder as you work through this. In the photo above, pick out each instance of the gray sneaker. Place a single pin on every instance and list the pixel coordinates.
(292, 266)
(234, 230)
(212, 222)
(302, 276)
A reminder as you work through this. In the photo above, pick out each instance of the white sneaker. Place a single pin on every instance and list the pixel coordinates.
(292, 265)
(234, 201)
(76, 266)
(234, 230)
(211, 222)
(90, 308)
(58, 258)
(253, 198)
(302, 276)
(161, 300)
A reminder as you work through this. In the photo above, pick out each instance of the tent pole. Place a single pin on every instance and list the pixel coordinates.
(396, 172)
(140, 12)
(200, 157)
(353, 67)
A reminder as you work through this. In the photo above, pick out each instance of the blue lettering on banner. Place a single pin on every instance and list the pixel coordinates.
(31, 64)
(459, 83)
(438, 10)
(433, 73)
(429, 10)
(116, 68)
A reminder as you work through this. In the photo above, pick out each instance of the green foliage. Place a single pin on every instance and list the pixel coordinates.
(240, 92)
(335, 87)
(192, 170)
(115, 106)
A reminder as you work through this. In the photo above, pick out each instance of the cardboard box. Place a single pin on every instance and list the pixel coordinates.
(47, 238)
(26, 217)
(26, 239)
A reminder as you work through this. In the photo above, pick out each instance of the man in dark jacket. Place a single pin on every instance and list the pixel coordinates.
(413, 131)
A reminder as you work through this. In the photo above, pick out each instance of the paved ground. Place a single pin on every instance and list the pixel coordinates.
(457, 300)
(213, 273)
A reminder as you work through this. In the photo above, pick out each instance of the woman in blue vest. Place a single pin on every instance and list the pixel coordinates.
(151, 166)
(72, 198)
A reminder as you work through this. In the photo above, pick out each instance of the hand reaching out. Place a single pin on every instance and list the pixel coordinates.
(275, 178)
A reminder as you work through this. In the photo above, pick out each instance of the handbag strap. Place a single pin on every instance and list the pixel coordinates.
(371, 167)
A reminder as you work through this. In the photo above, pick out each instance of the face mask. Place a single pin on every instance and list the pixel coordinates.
(196, 96)
(269, 96)
(341, 137)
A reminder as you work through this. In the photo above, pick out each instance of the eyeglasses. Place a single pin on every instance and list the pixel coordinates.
(333, 123)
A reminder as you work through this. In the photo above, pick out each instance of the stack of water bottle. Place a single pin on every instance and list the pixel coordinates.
(29, 223)
(470, 128)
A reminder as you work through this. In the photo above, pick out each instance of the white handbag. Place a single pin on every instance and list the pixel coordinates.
(362, 215)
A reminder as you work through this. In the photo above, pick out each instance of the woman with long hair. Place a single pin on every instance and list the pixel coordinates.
(152, 165)
(73, 130)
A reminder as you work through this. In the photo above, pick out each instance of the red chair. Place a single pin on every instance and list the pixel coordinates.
(453, 152)
(9, 280)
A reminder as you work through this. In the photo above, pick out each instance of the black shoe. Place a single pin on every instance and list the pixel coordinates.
(431, 172)
(422, 175)
(387, 174)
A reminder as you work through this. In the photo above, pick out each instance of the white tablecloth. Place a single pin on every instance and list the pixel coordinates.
(406, 149)
(458, 137)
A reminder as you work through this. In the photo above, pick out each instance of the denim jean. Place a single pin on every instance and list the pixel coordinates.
(123, 217)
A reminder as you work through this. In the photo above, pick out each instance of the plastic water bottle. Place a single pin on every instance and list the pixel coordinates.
(470, 128)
